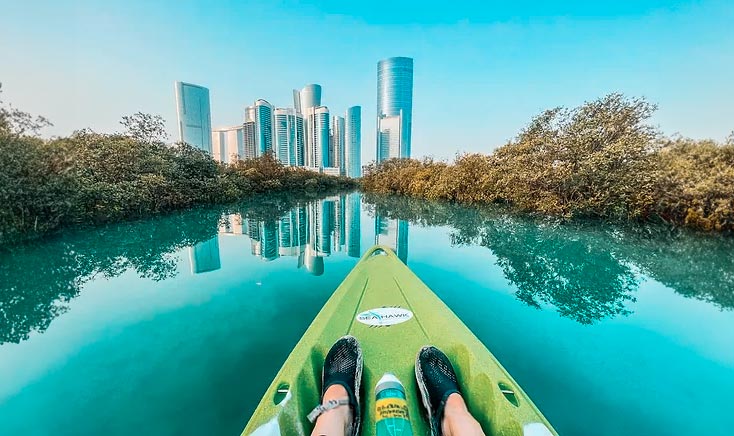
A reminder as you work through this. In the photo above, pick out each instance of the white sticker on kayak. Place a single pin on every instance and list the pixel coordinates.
(384, 316)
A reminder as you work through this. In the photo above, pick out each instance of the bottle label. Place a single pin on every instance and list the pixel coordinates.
(391, 418)
(391, 408)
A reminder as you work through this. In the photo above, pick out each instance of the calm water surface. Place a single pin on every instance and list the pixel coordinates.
(176, 325)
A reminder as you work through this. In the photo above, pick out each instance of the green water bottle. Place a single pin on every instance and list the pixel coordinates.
(391, 408)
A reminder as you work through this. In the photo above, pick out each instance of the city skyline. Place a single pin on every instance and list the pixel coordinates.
(510, 60)
(305, 135)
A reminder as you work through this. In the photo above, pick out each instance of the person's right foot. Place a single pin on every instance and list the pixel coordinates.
(436, 380)
(343, 366)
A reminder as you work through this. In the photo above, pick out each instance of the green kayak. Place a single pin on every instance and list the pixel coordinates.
(393, 314)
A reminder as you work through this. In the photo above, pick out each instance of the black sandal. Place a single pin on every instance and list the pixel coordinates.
(342, 366)
(436, 380)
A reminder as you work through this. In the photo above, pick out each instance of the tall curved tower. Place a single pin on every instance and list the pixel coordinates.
(394, 107)
(310, 97)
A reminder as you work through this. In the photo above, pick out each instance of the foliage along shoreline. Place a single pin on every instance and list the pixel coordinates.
(92, 178)
(601, 160)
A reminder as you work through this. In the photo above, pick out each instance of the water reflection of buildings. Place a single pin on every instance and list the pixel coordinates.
(394, 234)
(204, 256)
(308, 233)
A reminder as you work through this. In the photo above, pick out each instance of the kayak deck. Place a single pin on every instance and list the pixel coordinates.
(408, 316)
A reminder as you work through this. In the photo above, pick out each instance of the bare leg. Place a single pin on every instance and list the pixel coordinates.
(335, 422)
(457, 421)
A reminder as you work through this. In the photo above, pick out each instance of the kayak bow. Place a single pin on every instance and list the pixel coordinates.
(393, 314)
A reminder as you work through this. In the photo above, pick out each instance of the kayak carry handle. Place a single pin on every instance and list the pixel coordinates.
(381, 250)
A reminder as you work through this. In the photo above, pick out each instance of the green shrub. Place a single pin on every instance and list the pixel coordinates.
(600, 160)
(91, 178)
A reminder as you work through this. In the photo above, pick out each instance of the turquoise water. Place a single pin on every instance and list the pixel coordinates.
(176, 325)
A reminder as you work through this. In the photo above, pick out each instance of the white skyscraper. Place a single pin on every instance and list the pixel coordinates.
(194, 115)
(285, 135)
(316, 123)
(336, 150)
(309, 96)
(389, 136)
(229, 143)
(249, 134)
(219, 145)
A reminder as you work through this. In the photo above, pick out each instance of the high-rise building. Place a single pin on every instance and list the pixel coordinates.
(297, 101)
(394, 234)
(340, 234)
(336, 149)
(321, 227)
(394, 107)
(307, 102)
(269, 240)
(232, 225)
(352, 221)
(310, 96)
(219, 145)
(193, 112)
(228, 143)
(388, 137)
(292, 228)
(353, 142)
(300, 146)
(316, 122)
(204, 256)
(249, 131)
(285, 136)
(263, 126)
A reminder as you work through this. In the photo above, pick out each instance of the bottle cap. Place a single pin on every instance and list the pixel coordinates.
(388, 381)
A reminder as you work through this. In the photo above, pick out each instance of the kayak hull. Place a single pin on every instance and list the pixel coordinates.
(393, 314)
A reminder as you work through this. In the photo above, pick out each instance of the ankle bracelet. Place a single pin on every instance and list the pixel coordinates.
(323, 408)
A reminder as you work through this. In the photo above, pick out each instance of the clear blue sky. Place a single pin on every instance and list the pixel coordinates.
(482, 68)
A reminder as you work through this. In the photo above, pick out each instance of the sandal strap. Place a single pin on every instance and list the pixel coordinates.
(323, 408)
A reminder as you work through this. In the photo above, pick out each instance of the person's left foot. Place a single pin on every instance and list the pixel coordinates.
(343, 366)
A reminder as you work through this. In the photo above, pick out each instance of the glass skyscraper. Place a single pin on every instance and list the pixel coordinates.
(353, 142)
(263, 126)
(204, 256)
(317, 137)
(300, 140)
(249, 130)
(285, 135)
(352, 221)
(336, 149)
(394, 107)
(194, 116)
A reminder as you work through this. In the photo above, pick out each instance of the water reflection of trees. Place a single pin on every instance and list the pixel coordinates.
(37, 281)
(588, 271)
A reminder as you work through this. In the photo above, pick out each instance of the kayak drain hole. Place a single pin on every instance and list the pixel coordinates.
(509, 393)
(281, 393)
